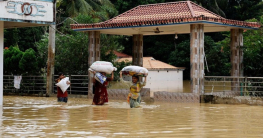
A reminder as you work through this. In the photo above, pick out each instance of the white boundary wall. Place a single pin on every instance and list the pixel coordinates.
(163, 80)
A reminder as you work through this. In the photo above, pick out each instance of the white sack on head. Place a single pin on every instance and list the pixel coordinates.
(63, 84)
(130, 70)
(102, 66)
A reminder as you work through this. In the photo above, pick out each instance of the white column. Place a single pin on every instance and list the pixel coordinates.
(1, 61)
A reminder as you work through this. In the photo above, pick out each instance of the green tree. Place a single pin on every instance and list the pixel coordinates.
(17, 62)
(243, 9)
(11, 37)
(217, 57)
(180, 57)
(213, 5)
(218, 62)
(102, 9)
(24, 38)
(12, 58)
(28, 63)
(253, 50)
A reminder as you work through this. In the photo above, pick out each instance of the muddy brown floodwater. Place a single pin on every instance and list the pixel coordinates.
(44, 117)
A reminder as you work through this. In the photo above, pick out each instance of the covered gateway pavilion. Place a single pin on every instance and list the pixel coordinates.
(174, 18)
(23, 13)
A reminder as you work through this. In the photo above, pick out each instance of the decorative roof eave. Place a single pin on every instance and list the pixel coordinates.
(193, 20)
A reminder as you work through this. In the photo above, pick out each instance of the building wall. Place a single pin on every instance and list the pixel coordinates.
(163, 80)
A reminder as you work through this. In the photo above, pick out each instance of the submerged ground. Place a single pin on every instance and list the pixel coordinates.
(44, 117)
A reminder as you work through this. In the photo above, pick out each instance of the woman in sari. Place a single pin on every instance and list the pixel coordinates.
(134, 97)
(101, 94)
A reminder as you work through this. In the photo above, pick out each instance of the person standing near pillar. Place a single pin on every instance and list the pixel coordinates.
(62, 97)
(100, 92)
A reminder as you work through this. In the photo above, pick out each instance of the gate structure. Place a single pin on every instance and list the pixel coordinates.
(25, 13)
(183, 17)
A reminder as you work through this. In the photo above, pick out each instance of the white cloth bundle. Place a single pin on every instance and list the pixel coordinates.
(17, 81)
(63, 84)
(102, 66)
(135, 70)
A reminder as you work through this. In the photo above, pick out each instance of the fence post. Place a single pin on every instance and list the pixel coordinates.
(70, 84)
(34, 83)
(245, 84)
(224, 84)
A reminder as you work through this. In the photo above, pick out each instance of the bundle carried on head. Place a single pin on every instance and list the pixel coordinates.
(102, 66)
(135, 70)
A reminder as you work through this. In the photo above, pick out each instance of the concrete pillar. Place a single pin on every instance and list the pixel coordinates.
(197, 58)
(91, 59)
(1, 62)
(94, 55)
(137, 50)
(51, 58)
(97, 45)
(236, 57)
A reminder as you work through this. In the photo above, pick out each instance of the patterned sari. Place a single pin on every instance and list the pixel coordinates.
(101, 94)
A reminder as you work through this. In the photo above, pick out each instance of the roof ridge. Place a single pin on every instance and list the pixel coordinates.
(189, 2)
(191, 8)
(163, 3)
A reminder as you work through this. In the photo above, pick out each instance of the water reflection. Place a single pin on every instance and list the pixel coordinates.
(44, 117)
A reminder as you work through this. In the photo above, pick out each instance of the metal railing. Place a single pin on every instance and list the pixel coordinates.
(79, 84)
(37, 84)
(252, 86)
(29, 84)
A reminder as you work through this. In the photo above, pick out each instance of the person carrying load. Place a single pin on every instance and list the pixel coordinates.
(134, 97)
(100, 81)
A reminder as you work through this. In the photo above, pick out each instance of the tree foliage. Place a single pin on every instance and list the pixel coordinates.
(102, 9)
(28, 63)
(12, 57)
(17, 62)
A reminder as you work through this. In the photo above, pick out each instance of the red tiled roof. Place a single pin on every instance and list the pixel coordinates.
(151, 64)
(120, 55)
(164, 13)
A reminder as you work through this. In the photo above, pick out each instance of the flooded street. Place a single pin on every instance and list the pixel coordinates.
(44, 117)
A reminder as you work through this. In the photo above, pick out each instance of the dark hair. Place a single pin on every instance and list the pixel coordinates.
(60, 73)
(137, 77)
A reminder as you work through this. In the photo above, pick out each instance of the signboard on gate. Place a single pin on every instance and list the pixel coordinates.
(27, 10)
